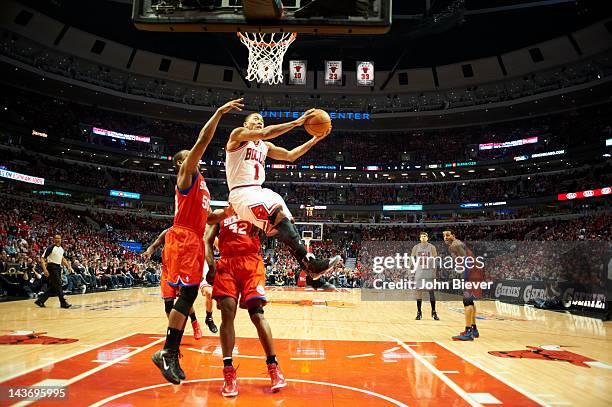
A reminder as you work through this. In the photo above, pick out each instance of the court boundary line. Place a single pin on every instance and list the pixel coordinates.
(447, 380)
(61, 359)
(495, 375)
(342, 386)
(90, 372)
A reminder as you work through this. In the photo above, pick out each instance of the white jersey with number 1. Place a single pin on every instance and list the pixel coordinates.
(245, 165)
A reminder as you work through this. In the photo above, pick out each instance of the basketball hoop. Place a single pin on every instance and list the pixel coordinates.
(266, 52)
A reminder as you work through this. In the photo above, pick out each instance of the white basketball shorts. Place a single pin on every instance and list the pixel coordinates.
(256, 204)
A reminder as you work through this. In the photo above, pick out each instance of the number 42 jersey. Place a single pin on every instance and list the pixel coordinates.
(238, 237)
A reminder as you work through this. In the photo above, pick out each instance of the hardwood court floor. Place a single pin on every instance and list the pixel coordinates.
(333, 347)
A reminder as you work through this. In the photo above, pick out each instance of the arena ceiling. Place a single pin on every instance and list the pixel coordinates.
(487, 28)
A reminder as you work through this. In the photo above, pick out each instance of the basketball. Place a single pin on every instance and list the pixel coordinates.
(318, 124)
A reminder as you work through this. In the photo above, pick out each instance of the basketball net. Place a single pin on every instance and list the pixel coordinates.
(266, 52)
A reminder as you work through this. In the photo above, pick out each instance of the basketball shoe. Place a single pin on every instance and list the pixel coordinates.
(419, 316)
(434, 315)
(230, 385)
(197, 332)
(464, 336)
(277, 377)
(317, 268)
(167, 361)
(211, 325)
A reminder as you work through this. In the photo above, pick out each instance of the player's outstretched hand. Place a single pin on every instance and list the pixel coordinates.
(307, 115)
(235, 104)
(326, 133)
(317, 139)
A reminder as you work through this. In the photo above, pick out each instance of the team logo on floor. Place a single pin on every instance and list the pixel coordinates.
(551, 352)
(309, 303)
(32, 338)
(308, 289)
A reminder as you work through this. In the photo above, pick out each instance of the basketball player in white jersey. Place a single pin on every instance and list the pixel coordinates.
(246, 153)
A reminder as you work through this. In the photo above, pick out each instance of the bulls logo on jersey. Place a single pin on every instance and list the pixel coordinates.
(245, 165)
(256, 155)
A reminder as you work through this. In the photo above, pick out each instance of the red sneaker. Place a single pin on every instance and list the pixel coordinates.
(278, 380)
(197, 332)
(230, 386)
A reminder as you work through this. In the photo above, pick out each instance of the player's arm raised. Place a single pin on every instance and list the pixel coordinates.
(206, 134)
(267, 133)
(218, 215)
(209, 244)
(282, 154)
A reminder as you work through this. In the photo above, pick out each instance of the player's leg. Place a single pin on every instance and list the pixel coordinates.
(168, 305)
(285, 231)
(167, 359)
(475, 332)
(267, 210)
(195, 325)
(419, 302)
(225, 292)
(206, 291)
(256, 312)
(468, 307)
(252, 276)
(168, 292)
(227, 335)
(432, 301)
(183, 257)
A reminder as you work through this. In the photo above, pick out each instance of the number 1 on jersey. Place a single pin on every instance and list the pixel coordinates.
(256, 171)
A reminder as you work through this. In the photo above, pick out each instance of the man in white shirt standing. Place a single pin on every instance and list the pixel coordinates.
(51, 262)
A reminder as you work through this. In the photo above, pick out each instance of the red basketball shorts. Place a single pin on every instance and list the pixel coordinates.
(241, 277)
(182, 260)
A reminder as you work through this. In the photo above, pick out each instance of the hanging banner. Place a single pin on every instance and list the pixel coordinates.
(365, 73)
(333, 72)
(297, 72)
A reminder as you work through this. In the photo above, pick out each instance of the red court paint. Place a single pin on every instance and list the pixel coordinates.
(316, 369)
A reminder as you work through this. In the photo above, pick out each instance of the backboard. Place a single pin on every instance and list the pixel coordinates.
(310, 230)
(301, 16)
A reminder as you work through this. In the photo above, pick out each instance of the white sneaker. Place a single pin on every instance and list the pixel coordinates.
(84, 289)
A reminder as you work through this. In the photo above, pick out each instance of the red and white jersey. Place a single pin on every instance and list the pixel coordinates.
(245, 165)
(238, 237)
(191, 207)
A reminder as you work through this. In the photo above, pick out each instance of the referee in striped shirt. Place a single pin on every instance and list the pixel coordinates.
(51, 262)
